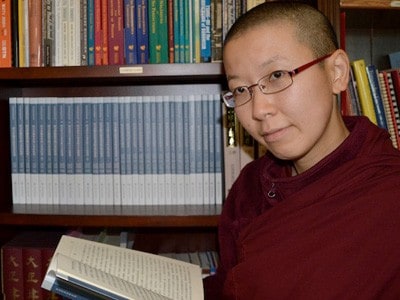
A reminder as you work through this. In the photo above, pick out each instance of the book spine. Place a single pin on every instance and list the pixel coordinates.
(199, 149)
(364, 90)
(62, 151)
(171, 38)
(153, 34)
(21, 149)
(12, 270)
(32, 260)
(42, 149)
(87, 152)
(115, 32)
(141, 149)
(23, 37)
(153, 148)
(35, 33)
(177, 33)
(205, 25)
(78, 151)
(142, 31)
(372, 74)
(167, 132)
(116, 152)
(90, 33)
(48, 32)
(130, 35)
(134, 107)
(49, 154)
(27, 151)
(206, 150)
(14, 149)
(95, 151)
(108, 152)
(122, 148)
(101, 150)
(219, 155)
(104, 31)
(98, 48)
(55, 151)
(212, 122)
(83, 27)
(70, 152)
(196, 31)
(179, 148)
(5, 34)
(34, 151)
(396, 109)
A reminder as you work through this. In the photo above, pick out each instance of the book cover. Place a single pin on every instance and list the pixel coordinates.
(35, 33)
(12, 271)
(113, 278)
(32, 261)
(83, 27)
(216, 31)
(142, 31)
(98, 37)
(372, 74)
(90, 33)
(364, 90)
(130, 35)
(23, 35)
(394, 60)
(205, 25)
(5, 34)
(104, 32)
(116, 152)
(15, 34)
(171, 31)
(394, 101)
(116, 32)
(21, 149)
(48, 37)
(14, 149)
(396, 84)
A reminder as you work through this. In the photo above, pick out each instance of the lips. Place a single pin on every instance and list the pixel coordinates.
(274, 135)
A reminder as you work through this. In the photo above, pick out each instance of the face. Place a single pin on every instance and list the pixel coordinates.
(300, 123)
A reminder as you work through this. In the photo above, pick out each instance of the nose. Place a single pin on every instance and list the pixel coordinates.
(262, 104)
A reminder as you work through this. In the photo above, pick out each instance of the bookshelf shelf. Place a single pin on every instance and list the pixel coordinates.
(111, 216)
(370, 4)
(112, 74)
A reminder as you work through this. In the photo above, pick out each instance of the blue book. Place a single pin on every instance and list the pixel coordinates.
(21, 148)
(142, 31)
(101, 150)
(27, 150)
(70, 150)
(177, 33)
(206, 149)
(186, 149)
(108, 151)
(14, 149)
(205, 30)
(122, 147)
(116, 152)
(87, 150)
(130, 38)
(55, 151)
(212, 122)
(219, 189)
(147, 149)
(191, 147)
(42, 148)
(134, 149)
(179, 148)
(372, 74)
(95, 151)
(62, 150)
(154, 150)
(78, 150)
(173, 157)
(34, 151)
(141, 149)
(199, 148)
(49, 102)
(127, 131)
(90, 33)
(160, 151)
(167, 148)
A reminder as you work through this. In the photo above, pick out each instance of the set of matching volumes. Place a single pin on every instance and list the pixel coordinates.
(133, 150)
(375, 94)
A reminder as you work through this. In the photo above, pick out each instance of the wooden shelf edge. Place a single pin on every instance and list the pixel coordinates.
(112, 72)
(370, 4)
(110, 216)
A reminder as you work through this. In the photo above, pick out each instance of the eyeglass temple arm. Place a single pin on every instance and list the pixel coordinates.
(306, 66)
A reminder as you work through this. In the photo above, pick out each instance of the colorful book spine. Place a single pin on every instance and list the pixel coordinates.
(130, 35)
(98, 37)
(12, 269)
(116, 32)
(5, 34)
(104, 32)
(48, 33)
(142, 31)
(364, 90)
(83, 5)
(90, 33)
(35, 33)
(372, 74)
(205, 33)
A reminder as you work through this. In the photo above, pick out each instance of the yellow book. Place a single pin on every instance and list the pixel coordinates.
(364, 90)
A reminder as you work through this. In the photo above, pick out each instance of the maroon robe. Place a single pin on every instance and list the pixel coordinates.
(332, 232)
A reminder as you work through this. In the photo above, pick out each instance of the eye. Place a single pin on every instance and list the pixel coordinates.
(277, 75)
(240, 90)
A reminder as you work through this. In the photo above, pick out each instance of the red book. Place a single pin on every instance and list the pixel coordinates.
(104, 31)
(396, 84)
(35, 33)
(97, 33)
(5, 34)
(115, 32)
(12, 271)
(32, 260)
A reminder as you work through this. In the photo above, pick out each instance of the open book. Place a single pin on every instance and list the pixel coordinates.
(82, 269)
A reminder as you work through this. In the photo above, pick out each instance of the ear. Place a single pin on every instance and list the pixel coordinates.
(340, 71)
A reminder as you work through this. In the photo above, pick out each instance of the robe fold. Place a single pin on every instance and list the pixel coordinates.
(332, 232)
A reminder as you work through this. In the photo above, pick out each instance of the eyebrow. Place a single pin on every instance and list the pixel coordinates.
(262, 65)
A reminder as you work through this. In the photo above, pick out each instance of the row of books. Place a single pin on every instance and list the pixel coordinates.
(375, 94)
(101, 32)
(133, 150)
(25, 259)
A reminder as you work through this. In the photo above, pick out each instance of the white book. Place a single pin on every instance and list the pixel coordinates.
(85, 269)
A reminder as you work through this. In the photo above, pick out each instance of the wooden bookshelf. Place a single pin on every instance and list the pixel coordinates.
(370, 4)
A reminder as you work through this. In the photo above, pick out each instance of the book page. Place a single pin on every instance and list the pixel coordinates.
(167, 277)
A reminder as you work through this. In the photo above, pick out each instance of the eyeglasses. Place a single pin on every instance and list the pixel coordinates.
(271, 83)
